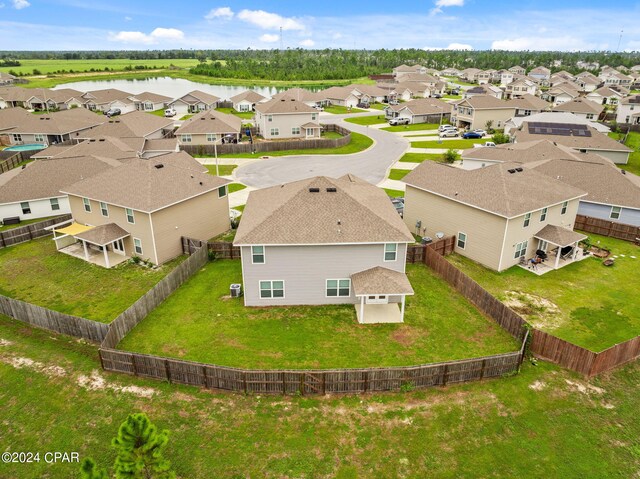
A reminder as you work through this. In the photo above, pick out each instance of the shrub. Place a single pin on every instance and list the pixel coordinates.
(451, 156)
(500, 138)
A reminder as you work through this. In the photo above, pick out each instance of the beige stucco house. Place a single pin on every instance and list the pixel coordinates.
(474, 112)
(104, 100)
(194, 102)
(246, 101)
(286, 118)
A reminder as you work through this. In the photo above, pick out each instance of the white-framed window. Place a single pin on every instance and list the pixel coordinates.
(269, 117)
(211, 137)
(589, 116)
(521, 249)
(17, 137)
(87, 204)
(615, 212)
(295, 130)
(275, 132)
(338, 288)
(527, 220)
(137, 246)
(130, 218)
(148, 106)
(564, 207)
(104, 209)
(26, 208)
(55, 204)
(313, 117)
(462, 240)
(38, 138)
(257, 255)
(222, 191)
(185, 138)
(272, 289)
(390, 251)
(309, 131)
(543, 214)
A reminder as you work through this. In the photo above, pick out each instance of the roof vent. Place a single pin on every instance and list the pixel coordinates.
(331, 190)
(624, 172)
(158, 166)
(92, 140)
(511, 170)
(519, 169)
(102, 139)
(314, 190)
(201, 183)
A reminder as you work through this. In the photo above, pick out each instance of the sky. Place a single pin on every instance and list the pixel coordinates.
(566, 25)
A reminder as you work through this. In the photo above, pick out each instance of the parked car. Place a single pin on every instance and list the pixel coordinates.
(469, 135)
(436, 95)
(446, 127)
(394, 102)
(448, 133)
(113, 112)
(362, 105)
(480, 131)
(169, 112)
(398, 203)
(486, 144)
(399, 121)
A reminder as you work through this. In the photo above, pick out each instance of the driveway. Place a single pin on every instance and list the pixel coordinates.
(370, 165)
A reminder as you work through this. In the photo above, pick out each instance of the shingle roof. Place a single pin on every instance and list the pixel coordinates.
(630, 99)
(210, 121)
(104, 147)
(201, 96)
(249, 95)
(529, 102)
(379, 280)
(19, 120)
(283, 105)
(133, 124)
(103, 235)
(106, 96)
(494, 189)
(150, 96)
(300, 94)
(144, 185)
(15, 93)
(423, 106)
(579, 105)
(356, 212)
(597, 140)
(557, 117)
(559, 236)
(605, 91)
(486, 102)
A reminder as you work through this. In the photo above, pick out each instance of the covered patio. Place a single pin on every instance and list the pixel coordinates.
(561, 247)
(101, 245)
(377, 288)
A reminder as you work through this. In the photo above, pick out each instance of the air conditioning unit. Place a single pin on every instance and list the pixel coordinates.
(235, 290)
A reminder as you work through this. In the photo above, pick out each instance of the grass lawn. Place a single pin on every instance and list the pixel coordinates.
(533, 425)
(451, 97)
(378, 106)
(227, 236)
(412, 127)
(592, 306)
(340, 110)
(420, 157)
(367, 120)
(331, 135)
(245, 115)
(51, 66)
(35, 272)
(446, 144)
(225, 170)
(208, 327)
(233, 187)
(240, 208)
(24, 223)
(633, 142)
(159, 112)
(395, 174)
(358, 143)
(393, 193)
(186, 117)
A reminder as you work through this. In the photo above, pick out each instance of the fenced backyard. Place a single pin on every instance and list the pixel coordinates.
(608, 228)
(12, 159)
(29, 232)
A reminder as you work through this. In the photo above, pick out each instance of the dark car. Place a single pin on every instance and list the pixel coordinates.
(471, 135)
(362, 105)
(113, 112)
(398, 203)
(436, 95)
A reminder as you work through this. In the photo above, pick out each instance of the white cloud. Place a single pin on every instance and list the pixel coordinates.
(269, 21)
(269, 38)
(159, 34)
(127, 19)
(220, 12)
(452, 46)
(20, 4)
(566, 43)
(440, 4)
(307, 43)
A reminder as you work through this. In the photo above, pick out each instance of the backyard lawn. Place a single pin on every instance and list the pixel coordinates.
(542, 423)
(420, 157)
(341, 110)
(446, 144)
(207, 326)
(35, 272)
(633, 142)
(233, 187)
(367, 120)
(585, 303)
(393, 193)
(24, 223)
(412, 127)
(396, 174)
(225, 170)
(245, 115)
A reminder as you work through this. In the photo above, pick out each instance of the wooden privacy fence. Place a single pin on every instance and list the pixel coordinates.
(607, 228)
(25, 233)
(310, 381)
(53, 320)
(126, 321)
(11, 159)
(221, 249)
(444, 246)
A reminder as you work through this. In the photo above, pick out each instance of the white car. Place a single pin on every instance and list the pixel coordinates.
(442, 128)
(169, 112)
(399, 121)
(448, 133)
(480, 132)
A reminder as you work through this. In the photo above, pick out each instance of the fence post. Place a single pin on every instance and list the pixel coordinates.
(206, 380)
(324, 378)
(444, 374)
(302, 384)
(366, 381)
(482, 369)
(133, 365)
(167, 370)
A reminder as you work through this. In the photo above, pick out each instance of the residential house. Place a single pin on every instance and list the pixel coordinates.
(635, 68)
(194, 102)
(111, 147)
(485, 89)
(474, 112)
(341, 96)
(506, 77)
(450, 72)
(19, 127)
(210, 127)
(553, 118)
(404, 69)
(588, 65)
(7, 79)
(143, 208)
(527, 105)
(561, 77)
(501, 215)
(588, 80)
(62, 99)
(423, 110)
(521, 86)
(469, 74)
(308, 97)
(613, 77)
(629, 110)
(14, 96)
(325, 241)
(485, 76)
(276, 119)
(105, 100)
(604, 96)
(246, 101)
(560, 94)
(135, 124)
(581, 107)
(148, 101)
(518, 70)
(540, 73)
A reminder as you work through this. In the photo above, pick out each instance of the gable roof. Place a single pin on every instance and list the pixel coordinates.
(133, 124)
(62, 122)
(151, 97)
(604, 91)
(300, 94)
(210, 121)
(249, 95)
(497, 189)
(200, 96)
(107, 95)
(486, 102)
(529, 102)
(103, 147)
(379, 280)
(557, 117)
(579, 105)
(595, 141)
(423, 106)
(291, 214)
(630, 99)
(283, 105)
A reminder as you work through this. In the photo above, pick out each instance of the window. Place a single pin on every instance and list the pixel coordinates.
(521, 249)
(104, 209)
(211, 137)
(55, 205)
(527, 220)
(313, 116)
(38, 138)
(295, 130)
(390, 251)
(309, 131)
(615, 212)
(185, 138)
(462, 240)
(589, 116)
(564, 207)
(269, 117)
(543, 215)
(275, 132)
(272, 289)
(339, 288)
(257, 254)
(129, 213)
(137, 246)
(26, 209)
(222, 191)
(148, 106)
(87, 205)
(17, 137)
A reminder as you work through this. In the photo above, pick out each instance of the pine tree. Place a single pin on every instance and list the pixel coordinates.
(89, 471)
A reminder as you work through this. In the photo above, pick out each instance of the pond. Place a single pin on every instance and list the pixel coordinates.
(171, 87)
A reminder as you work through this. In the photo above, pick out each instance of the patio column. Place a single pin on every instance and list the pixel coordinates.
(402, 308)
(106, 256)
(557, 257)
(86, 253)
(362, 309)
(575, 250)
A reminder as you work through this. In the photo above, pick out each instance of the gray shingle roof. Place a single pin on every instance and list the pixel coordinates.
(274, 107)
(103, 234)
(379, 280)
(559, 236)
(210, 121)
(249, 95)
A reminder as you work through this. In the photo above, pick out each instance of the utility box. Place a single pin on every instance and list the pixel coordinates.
(236, 290)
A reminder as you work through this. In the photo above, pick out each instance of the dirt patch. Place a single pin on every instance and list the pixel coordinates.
(540, 312)
(97, 382)
(27, 363)
(584, 388)
(403, 336)
(5, 342)
(538, 385)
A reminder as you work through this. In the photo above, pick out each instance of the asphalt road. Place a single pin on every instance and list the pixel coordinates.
(370, 165)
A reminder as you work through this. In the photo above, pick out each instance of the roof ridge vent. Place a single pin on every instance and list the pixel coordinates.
(159, 166)
(314, 190)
